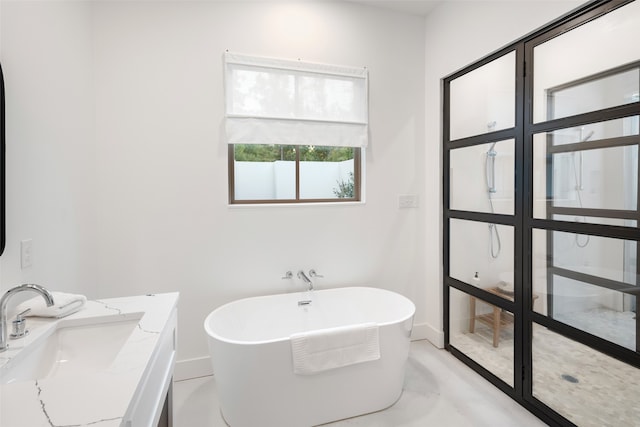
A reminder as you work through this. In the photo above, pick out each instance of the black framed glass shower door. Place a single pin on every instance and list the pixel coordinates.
(541, 217)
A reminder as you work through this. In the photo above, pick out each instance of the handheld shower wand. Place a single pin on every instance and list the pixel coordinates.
(495, 246)
(578, 173)
(490, 169)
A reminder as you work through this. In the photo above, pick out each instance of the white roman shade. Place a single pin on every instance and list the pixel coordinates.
(274, 101)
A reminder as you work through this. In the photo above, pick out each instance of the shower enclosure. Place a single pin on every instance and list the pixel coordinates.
(541, 217)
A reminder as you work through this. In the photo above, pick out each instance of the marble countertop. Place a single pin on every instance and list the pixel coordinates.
(96, 399)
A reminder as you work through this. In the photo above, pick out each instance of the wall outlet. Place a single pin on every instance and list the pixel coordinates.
(26, 253)
(408, 201)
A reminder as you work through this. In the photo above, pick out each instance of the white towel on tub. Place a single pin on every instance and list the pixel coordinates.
(325, 349)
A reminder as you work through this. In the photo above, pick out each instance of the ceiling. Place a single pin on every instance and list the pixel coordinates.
(414, 7)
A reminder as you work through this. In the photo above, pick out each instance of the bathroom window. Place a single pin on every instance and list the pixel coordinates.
(289, 173)
(296, 130)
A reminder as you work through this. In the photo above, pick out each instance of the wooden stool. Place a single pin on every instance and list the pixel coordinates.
(496, 320)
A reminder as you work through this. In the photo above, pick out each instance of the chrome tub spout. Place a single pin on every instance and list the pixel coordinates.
(305, 279)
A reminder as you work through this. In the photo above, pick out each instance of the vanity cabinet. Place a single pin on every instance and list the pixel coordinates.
(152, 403)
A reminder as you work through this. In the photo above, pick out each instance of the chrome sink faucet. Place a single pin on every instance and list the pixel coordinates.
(305, 279)
(3, 307)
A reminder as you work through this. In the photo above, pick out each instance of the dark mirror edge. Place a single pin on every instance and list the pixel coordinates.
(2, 163)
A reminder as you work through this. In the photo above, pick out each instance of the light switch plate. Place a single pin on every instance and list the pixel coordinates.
(26, 253)
(408, 201)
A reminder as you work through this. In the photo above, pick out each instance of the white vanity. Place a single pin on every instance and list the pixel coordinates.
(110, 364)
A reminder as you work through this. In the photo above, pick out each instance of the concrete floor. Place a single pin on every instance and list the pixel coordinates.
(439, 391)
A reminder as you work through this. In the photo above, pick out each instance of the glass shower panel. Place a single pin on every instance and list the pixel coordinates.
(592, 255)
(585, 179)
(587, 282)
(577, 170)
(598, 92)
(482, 178)
(484, 99)
(483, 332)
(585, 386)
(481, 255)
(562, 64)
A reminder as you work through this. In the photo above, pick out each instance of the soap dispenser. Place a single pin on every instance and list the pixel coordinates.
(476, 280)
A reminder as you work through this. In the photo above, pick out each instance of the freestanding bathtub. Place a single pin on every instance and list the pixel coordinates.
(250, 346)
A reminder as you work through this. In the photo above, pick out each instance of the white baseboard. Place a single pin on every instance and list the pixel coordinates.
(193, 368)
(424, 331)
(201, 366)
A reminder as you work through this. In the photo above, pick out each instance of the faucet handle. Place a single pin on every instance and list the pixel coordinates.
(313, 273)
(288, 275)
(20, 316)
(20, 326)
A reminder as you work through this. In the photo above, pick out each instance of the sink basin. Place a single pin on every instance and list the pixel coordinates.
(71, 348)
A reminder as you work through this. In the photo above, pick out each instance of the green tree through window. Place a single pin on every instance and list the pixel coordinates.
(308, 153)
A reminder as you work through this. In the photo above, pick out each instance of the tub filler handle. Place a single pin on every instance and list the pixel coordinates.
(313, 273)
(287, 275)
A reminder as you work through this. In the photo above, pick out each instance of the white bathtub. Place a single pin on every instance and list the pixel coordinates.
(252, 358)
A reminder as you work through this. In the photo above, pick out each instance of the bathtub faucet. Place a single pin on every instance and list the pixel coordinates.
(3, 307)
(305, 279)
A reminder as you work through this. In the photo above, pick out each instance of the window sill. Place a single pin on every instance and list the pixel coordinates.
(289, 205)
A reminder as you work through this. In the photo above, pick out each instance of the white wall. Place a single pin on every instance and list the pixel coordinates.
(45, 49)
(117, 171)
(457, 34)
(164, 223)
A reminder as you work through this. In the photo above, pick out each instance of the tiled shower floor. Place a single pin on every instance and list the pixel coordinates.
(585, 386)
(439, 391)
